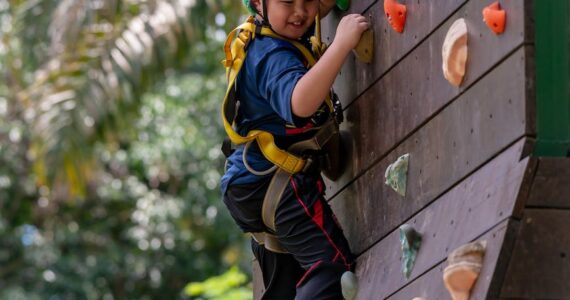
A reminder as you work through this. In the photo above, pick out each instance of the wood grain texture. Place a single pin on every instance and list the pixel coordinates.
(427, 25)
(370, 215)
(376, 125)
(551, 186)
(540, 263)
(423, 18)
(452, 145)
(430, 285)
(474, 206)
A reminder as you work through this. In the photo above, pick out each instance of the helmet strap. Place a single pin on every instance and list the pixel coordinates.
(265, 17)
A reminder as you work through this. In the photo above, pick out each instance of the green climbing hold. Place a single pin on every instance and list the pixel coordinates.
(397, 174)
(411, 241)
(343, 4)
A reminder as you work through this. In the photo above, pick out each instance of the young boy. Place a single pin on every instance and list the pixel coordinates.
(278, 94)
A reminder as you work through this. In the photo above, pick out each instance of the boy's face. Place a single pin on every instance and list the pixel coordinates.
(290, 18)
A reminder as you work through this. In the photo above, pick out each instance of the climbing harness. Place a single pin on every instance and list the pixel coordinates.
(326, 138)
(296, 158)
(235, 52)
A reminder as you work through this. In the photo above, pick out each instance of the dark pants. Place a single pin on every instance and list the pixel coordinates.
(306, 226)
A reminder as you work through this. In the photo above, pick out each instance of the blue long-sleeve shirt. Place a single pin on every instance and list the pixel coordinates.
(265, 86)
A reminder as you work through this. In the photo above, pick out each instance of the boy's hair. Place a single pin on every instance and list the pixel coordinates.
(249, 6)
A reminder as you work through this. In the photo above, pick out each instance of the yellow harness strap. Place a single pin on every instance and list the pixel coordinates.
(235, 49)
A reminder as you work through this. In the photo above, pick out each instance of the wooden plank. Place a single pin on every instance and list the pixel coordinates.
(422, 18)
(431, 20)
(359, 6)
(456, 142)
(551, 186)
(258, 286)
(540, 266)
(474, 206)
(500, 241)
(402, 101)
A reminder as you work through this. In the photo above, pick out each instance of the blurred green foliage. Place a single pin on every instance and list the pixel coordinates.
(228, 286)
(109, 148)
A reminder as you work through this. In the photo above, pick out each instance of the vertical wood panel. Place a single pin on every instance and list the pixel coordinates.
(474, 206)
(422, 18)
(431, 20)
(408, 96)
(540, 263)
(551, 187)
(499, 244)
(441, 153)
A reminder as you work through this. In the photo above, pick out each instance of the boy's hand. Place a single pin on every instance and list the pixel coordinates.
(349, 31)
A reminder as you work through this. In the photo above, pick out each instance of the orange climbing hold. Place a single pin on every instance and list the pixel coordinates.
(396, 14)
(495, 17)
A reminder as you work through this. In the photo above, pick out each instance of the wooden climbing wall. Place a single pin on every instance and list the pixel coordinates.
(471, 174)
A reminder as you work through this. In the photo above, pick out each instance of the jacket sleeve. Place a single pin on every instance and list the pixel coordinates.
(277, 75)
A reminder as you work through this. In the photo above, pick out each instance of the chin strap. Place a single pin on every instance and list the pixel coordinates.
(264, 16)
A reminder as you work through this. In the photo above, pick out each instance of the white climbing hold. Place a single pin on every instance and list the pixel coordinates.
(454, 52)
(349, 285)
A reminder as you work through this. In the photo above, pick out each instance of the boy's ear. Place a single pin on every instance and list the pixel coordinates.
(257, 5)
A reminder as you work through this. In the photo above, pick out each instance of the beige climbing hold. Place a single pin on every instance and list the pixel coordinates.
(364, 51)
(464, 266)
(454, 52)
(349, 285)
(418, 298)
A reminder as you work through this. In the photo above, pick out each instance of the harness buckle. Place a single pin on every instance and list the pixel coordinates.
(309, 165)
(337, 108)
(315, 162)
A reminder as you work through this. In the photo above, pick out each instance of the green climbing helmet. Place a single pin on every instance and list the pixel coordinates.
(343, 4)
(249, 6)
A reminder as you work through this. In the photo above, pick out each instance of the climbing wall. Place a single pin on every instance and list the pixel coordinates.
(471, 174)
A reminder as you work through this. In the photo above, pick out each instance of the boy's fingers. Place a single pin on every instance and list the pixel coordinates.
(362, 19)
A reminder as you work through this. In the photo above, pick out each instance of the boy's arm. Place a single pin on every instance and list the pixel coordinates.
(311, 90)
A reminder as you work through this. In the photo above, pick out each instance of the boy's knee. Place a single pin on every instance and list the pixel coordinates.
(321, 282)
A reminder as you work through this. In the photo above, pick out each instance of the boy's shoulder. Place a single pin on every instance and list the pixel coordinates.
(266, 45)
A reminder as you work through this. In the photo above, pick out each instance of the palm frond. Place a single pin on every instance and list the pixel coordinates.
(90, 89)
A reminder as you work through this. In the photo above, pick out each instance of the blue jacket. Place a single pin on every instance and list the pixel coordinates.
(264, 89)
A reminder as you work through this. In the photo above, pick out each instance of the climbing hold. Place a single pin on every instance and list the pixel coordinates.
(343, 4)
(349, 285)
(495, 17)
(397, 174)
(396, 14)
(364, 51)
(411, 241)
(454, 52)
(464, 266)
